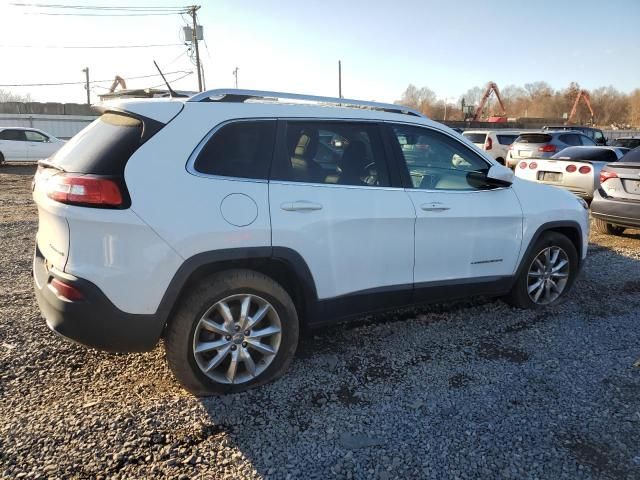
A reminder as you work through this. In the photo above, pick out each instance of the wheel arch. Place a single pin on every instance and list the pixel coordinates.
(283, 265)
(569, 228)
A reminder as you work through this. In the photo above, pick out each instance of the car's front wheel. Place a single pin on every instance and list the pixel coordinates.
(237, 329)
(549, 271)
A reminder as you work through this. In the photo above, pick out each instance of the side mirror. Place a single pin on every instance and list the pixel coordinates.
(500, 175)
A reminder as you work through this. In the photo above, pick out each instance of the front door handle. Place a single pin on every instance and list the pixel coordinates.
(300, 206)
(434, 207)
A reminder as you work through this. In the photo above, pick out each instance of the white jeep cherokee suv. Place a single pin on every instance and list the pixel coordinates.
(227, 221)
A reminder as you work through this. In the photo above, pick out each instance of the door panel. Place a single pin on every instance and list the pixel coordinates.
(13, 145)
(352, 238)
(463, 235)
(465, 229)
(331, 201)
(38, 146)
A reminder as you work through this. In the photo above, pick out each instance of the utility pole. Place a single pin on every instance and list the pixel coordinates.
(86, 73)
(339, 79)
(194, 39)
(235, 74)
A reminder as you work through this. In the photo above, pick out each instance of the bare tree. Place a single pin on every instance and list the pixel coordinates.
(6, 96)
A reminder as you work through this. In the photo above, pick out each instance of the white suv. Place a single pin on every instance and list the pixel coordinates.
(227, 221)
(495, 142)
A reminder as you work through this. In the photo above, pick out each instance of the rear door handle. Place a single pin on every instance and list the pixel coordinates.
(300, 206)
(434, 207)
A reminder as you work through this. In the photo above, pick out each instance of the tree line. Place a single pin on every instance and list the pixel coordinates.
(534, 100)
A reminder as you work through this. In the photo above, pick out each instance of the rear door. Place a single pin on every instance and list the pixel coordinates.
(465, 231)
(13, 145)
(332, 202)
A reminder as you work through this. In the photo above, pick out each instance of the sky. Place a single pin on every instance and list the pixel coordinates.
(294, 46)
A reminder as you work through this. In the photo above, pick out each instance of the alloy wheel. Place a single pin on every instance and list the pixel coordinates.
(237, 338)
(548, 275)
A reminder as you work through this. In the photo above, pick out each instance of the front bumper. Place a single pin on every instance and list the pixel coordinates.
(625, 213)
(93, 321)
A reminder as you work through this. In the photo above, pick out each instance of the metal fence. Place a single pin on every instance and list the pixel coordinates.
(613, 134)
(61, 126)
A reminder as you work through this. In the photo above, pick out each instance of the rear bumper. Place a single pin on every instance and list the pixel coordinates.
(93, 321)
(625, 213)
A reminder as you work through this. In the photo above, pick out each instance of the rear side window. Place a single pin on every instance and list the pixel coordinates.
(627, 142)
(339, 153)
(506, 139)
(570, 139)
(240, 149)
(534, 138)
(586, 141)
(475, 137)
(105, 146)
(15, 135)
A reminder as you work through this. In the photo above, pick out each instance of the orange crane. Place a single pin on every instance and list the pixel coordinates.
(587, 100)
(491, 86)
(116, 81)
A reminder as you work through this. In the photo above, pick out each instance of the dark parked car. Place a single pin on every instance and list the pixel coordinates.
(616, 204)
(594, 134)
(626, 142)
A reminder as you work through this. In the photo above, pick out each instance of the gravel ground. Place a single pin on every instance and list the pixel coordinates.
(468, 390)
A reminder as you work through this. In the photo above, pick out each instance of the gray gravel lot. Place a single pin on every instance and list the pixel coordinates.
(467, 390)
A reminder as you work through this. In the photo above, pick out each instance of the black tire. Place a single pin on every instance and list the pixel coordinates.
(1, 160)
(182, 326)
(601, 226)
(501, 161)
(519, 296)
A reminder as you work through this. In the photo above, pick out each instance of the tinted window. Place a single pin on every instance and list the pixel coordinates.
(339, 153)
(239, 149)
(16, 135)
(35, 136)
(506, 139)
(475, 137)
(627, 142)
(570, 139)
(104, 147)
(533, 138)
(581, 153)
(586, 141)
(437, 162)
(632, 156)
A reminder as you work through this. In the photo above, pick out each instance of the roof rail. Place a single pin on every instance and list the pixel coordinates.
(239, 96)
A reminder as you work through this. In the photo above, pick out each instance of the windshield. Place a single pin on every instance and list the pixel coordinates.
(590, 154)
(632, 156)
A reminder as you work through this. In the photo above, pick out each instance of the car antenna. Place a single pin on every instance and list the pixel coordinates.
(171, 92)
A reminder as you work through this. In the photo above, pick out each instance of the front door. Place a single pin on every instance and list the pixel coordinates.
(331, 201)
(13, 145)
(38, 145)
(465, 230)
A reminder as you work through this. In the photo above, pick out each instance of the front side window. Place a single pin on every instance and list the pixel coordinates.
(437, 162)
(15, 135)
(240, 149)
(339, 153)
(35, 136)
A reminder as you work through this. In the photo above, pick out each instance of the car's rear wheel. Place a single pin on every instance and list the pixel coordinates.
(1, 159)
(500, 160)
(601, 226)
(548, 274)
(236, 330)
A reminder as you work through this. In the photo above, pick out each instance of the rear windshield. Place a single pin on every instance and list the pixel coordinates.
(593, 154)
(104, 146)
(475, 137)
(506, 139)
(627, 142)
(632, 156)
(533, 138)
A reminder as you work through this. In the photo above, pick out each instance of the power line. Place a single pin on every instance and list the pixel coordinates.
(82, 83)
(101, 7)
(94, 46)
(173, 81)
(101, 14)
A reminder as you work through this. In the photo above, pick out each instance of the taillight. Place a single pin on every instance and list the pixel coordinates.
(522, 164)
(65, 291)
(584, 169)
(606, 175)
(488, 144)
(83, 190)
(547, 148)
(533, 165)
(571, 168)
